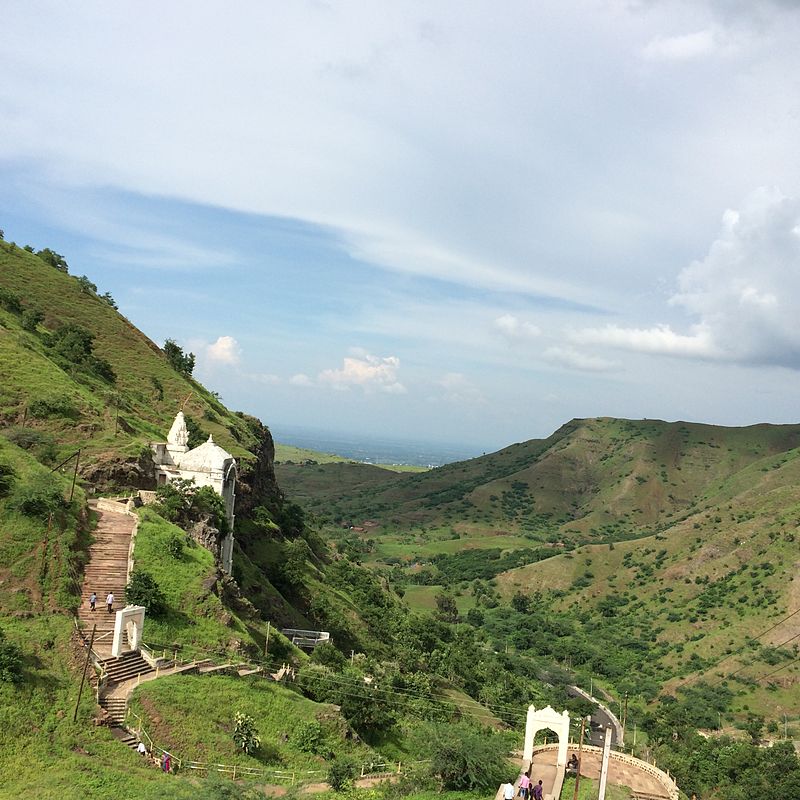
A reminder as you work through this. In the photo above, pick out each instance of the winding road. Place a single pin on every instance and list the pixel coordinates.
(602, 718)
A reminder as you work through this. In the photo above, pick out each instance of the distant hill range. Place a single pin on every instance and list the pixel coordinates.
(593, 480)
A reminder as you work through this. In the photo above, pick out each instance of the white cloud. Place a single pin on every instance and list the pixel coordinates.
(746, 291)
(683, 47)
(300, 379)
(566, 356)
(660, 339)
(225, 350)
(371, 373)
(744, 295)
(514, 328)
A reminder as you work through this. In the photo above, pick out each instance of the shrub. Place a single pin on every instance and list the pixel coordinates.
(10, 661)
(175, 545)
(10, 302)
(328, 656)
(144, 591)
(6, 479)
(73, 344)
(30, 319)
(245, 735)
(40, 496)
(465, 759)
(53, 406)
(341, 774)
(310, 738)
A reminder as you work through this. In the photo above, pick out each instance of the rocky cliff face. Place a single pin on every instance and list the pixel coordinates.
(257, 484)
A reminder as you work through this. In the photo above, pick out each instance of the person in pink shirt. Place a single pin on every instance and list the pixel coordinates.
(524, 786)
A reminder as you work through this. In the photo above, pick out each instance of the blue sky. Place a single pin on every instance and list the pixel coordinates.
(435, 221)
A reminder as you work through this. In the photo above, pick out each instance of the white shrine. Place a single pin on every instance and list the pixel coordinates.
(206, 465)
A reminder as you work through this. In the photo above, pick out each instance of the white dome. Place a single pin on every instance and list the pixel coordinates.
(209, 456)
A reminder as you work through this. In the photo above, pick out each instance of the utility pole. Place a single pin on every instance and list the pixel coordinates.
(624, 717)
(85, 667)
(266, 643)
(580, 752)
(352, 657)
(75, 474)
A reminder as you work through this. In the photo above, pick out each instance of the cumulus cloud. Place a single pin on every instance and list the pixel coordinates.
(372, 373)
(300, 379)
(225, 350)
(566, 356)
(660, 339)
(746, 291)
(513, 328)
(744, 295)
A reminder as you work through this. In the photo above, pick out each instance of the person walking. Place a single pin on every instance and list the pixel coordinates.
(508, 791)
(110, 602)
(538, 791)
(141, 749)
(92, 601)
(524, 785)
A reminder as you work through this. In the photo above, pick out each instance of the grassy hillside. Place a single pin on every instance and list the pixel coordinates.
(651, 550)
(592, 480)
(65, 403)
(290, 455)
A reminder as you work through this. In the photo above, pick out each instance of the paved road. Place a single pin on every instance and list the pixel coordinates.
(600, 720)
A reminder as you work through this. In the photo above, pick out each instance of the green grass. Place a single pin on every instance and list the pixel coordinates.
(193, 716)
(148, 389)
(588, 788)
(196, 616)
(38, 560)
(43, 754)
(423, 598)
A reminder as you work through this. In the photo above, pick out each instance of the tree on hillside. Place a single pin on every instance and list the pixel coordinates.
(179, 361)
(446, 608)
(54, 259)
(73, 344)
(142, 590)
(30, 319)
(466, 759)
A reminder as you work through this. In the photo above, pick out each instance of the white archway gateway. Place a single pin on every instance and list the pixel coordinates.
(128, 623)
(547, 718)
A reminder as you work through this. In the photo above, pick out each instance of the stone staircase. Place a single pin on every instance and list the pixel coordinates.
(128, 665)
(107, 571)
(116, 707)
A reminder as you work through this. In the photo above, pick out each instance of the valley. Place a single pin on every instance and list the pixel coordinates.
(654, 564)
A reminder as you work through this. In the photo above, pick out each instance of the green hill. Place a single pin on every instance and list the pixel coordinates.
(642, 555)
(76, 375)
(653, 549)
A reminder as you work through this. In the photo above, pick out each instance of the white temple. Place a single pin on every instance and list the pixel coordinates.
(206, 465)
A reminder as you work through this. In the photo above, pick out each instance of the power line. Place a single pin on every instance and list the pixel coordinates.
(745, 666)
(722, 660)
